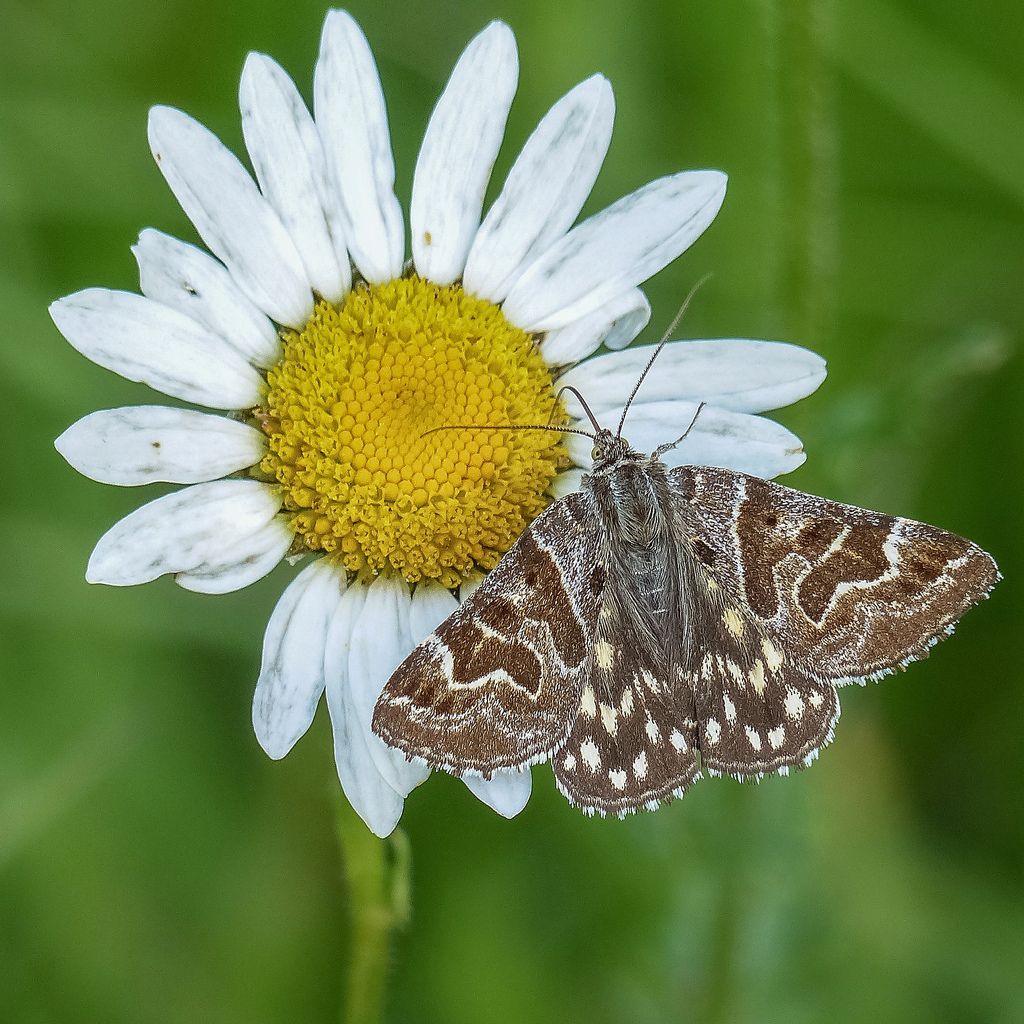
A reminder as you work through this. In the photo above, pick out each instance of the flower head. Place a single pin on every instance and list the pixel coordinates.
(335, 359)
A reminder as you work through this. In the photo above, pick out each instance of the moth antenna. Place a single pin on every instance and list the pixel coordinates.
(582, 401)
(509, 426)
(662, 448)
(661, 344)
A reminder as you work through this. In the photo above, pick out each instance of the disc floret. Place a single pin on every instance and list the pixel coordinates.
(347, 411)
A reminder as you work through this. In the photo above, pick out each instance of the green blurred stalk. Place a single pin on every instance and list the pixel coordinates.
(378, 882)
(798, 53)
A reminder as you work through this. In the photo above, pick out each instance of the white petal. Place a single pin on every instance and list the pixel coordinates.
(431, 605)
(732, 440)
(470, 582)
(141, 444)
(288, 159)
(353, 123)
(191, 281)
(381, 640)
(181, 531)
(566, 483)
(545, 190)
(242, 563)
(376, 802)
(615, 250)
(614, 324)
(506, 792)
(233, 219)
(459, 149)
(145, 341)
(744, 376)
(292, 670)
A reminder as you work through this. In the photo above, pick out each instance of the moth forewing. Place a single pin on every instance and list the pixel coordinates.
(846, 594)
(498, 683)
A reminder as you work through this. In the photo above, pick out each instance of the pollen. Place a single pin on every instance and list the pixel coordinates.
(347, 414)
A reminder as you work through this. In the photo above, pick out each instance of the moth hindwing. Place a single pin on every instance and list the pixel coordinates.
(661, 621)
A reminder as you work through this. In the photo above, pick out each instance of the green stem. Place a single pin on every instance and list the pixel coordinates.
(378, 881)
(799, 51)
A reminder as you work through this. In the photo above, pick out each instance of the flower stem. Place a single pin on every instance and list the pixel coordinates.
(378, 880)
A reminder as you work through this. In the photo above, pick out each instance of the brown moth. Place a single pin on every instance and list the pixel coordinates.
(660, 622)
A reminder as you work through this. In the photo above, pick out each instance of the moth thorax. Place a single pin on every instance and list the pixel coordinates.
(639, 494)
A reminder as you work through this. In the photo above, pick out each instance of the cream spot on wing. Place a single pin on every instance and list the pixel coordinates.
(610, 719)
(588, 705)
(756, 677)
(590, 754)
(754, 736)
(772, 655)
(605, 612)
(733, 622)
(794, 704)
(711, 583)
(713, 730)
(569, 762)
(678, 740)
(776, 736)
(604, 654)
(617, 777)
(649, 681)
(626, 704)
(816, 698)
(640, 766)
(652, 730)
(730, 708)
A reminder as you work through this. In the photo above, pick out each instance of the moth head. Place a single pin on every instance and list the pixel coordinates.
(609, 449)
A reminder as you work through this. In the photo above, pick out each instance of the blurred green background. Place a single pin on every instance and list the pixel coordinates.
(156, 866)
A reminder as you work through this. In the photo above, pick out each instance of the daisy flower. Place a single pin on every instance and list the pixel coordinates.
(332, 355)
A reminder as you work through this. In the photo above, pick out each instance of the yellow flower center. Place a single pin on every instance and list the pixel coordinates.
(347, 411)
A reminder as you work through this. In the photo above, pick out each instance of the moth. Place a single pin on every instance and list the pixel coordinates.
(661, 622)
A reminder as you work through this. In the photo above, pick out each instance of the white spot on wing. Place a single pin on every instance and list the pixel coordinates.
(590, 754)
(678, 740)
(640, 766)
(626, 704)
(604, 654)
(652, 730)
(776, 736)
(609, 718)
(617, 777)
(713, 730)
(570, 762)
(794, 704)
(816, 698)
(588, 706)
(649, 681)
(730, 708)
(772, 655)
(754, 736)
(736, 672)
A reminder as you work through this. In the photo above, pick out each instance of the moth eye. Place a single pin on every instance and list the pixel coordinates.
(595, 452)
